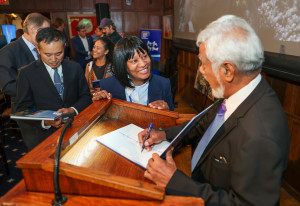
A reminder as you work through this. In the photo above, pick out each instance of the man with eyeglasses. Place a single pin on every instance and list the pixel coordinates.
(83, 46)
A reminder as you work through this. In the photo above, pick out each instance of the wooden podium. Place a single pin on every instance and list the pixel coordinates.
(90, 173)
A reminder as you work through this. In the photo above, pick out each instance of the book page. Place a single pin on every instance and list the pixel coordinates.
(124, 141)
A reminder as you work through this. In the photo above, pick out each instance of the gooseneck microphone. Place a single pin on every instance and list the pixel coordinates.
(60, 199)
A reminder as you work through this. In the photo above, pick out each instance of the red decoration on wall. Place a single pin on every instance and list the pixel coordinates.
(90, 22)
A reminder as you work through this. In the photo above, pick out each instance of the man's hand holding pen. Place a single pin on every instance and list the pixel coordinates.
(158, 170)
(155, 137)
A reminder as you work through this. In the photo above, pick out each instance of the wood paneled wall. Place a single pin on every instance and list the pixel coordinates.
(127, 18)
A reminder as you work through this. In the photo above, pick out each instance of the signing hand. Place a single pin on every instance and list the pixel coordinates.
(160, 171)
(155, 137)
(101, 95)
(159, 104)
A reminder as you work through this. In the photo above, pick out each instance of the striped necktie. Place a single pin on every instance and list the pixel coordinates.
(208, 135)
(58, 83)
(36, 52)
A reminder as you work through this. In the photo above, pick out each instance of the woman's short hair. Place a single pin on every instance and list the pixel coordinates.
(124, 51)
(108, 45)
(231, 38)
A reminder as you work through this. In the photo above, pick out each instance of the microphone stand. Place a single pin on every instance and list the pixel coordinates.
(60, 199)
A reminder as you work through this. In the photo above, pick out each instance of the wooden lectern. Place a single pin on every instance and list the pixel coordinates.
(90, 173)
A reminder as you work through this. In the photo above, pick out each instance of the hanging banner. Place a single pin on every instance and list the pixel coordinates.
(152, 37)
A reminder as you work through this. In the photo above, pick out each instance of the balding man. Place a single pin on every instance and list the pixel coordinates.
(20, 53)
(242, 146)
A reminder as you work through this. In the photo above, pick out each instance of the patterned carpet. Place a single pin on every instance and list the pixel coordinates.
(14, 149)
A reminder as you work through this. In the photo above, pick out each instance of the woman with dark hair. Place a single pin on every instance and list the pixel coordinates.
(101, 66)
(133, 80)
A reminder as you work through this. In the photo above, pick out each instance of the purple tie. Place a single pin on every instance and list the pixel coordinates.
(208, 135)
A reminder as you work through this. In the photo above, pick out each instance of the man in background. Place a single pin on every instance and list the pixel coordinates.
(98, 33)
(242, 143)
(20, 53)
(50, 83)
(109, 29)
(83, 45)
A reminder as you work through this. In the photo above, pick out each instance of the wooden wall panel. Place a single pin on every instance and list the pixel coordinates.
(115, 4)
(73, 5)
(132, 6)
(155, 21)
(42, 5)
(26, 5)
(58, 5)
(130, 22)
(101, 1)
(116, 17)
(141, 4)
(155, 4)
(143, 21)
(292, 174)
(87, 4)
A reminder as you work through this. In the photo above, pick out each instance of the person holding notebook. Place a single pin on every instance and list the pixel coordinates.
(242, 148)
(50, 83)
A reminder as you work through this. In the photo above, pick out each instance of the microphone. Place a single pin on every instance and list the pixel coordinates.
(59, 199)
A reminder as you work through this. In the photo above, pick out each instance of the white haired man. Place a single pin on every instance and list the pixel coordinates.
(241, 156)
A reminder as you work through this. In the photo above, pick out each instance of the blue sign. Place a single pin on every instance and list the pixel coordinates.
(153, 41)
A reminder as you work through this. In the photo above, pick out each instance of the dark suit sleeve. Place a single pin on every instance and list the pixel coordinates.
(84, 95)
(248, 185)
(8, 74)
(25, 98)
(91, 42)
(79, 49)
(168, 97)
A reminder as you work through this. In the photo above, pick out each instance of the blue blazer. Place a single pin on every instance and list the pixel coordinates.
(159, 89)
(80, 53)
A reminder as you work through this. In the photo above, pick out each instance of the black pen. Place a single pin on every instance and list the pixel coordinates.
(147, 136)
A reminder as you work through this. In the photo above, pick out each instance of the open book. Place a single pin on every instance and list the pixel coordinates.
(125, 142)
(36, 114)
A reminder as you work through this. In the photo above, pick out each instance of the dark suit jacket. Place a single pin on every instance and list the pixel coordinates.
(245, 160)
(12, 57)
(159, 89)
(80, 53)
(35, 89)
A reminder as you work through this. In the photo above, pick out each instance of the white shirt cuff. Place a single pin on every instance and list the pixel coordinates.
(75, 110)
(45, 126)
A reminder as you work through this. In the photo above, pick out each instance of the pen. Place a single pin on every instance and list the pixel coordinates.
(147, 135)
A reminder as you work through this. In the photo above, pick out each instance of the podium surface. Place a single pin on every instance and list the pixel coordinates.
(91, 172)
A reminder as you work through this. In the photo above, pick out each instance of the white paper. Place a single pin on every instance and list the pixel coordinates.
(124, 141)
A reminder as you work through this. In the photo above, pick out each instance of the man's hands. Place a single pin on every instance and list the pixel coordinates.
(160, 171)
(159, 104)
(103, 94)
(155, 137)
(57, 123)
